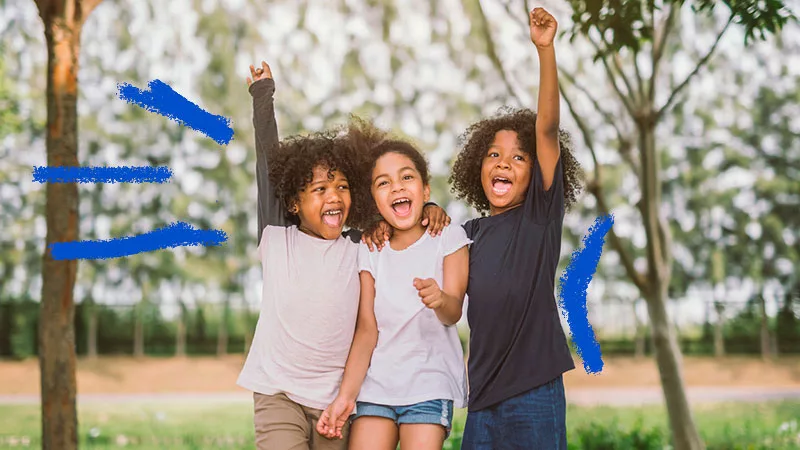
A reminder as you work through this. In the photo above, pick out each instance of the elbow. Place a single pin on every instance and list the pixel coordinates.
(367, 335)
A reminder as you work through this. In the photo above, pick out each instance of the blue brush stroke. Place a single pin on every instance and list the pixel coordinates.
(178, 234)
(161, 99)
(122, 174)
(574, 282)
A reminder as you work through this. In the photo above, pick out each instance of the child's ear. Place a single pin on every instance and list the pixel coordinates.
(427, 192)
(294, 209)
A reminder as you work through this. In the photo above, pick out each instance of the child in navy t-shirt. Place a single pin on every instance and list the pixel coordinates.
(519, 167)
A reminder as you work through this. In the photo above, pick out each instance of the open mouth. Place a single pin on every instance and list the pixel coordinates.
(501, 185)
(333, 218)
(402, 206)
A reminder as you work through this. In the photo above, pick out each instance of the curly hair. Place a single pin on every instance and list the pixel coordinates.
(475, 142)
(371, 142)
(292, 166)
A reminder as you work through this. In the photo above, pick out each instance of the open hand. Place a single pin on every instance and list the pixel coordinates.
(435, 218)
(543, 27)
(429, 292)
(332, 421)
(378, 236)
(261, 73)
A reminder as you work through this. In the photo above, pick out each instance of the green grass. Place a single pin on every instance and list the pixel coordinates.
(229, 425)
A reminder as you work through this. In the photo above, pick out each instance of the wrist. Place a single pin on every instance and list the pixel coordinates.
(549, 48)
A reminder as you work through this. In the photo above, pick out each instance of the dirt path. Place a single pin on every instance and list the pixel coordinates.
(623, 380)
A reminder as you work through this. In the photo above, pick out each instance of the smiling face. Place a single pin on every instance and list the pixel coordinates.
(505, 172)
(323, 204)
(399, 191)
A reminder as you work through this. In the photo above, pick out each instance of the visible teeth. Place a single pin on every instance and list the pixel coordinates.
(400, 200)
(332, 212)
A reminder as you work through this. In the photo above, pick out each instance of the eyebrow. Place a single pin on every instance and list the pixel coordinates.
(386, 175)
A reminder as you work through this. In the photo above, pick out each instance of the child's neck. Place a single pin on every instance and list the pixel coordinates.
(402, 239)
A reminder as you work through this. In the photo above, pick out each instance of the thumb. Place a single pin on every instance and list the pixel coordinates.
(418, 283)
(425, 222)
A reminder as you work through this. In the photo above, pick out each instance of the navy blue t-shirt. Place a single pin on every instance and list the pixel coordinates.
(516, 339)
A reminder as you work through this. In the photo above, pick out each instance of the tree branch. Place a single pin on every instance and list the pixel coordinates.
(626, 100)
(595, 188)
(625, 149)
(700, 65)
(639, 80)
(622, 74)
(659, 45)
(87, 6)
(492, 52)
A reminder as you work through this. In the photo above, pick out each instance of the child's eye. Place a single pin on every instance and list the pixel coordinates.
(344, 187)
(319, 189)
(408, 177)
(519, 157)
(381, 183)
(493, 154)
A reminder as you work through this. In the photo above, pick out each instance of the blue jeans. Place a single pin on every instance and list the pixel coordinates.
(532, 420)
(436, 412)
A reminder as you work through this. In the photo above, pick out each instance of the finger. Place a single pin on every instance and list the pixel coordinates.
(428, 291)
(252, 70)
(249, 81)
(425, 222)
(266, 68)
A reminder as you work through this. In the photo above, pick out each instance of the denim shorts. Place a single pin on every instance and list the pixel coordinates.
(535, 419)
(437, 412)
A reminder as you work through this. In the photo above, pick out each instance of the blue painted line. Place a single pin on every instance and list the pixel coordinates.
(121, 174)
(572, 299)
(178, 234)
(161, 99)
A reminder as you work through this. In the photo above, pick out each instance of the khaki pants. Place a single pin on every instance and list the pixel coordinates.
(282, 424)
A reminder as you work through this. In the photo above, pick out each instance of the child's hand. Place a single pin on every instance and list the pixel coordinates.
(333, 419)
(429, 292)
(435, 218)
(543, 27)
(261, 73)
(377, 237)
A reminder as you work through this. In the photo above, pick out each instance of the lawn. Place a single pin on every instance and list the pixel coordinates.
(229, 425)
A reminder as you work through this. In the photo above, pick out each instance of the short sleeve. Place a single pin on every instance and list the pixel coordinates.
(544, 206)
(453, 238)
(365, 259)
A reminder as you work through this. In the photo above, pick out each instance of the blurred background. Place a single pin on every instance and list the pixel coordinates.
(699, 161)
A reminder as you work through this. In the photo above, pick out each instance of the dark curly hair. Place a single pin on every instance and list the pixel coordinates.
(366, 139)
(292, 166)
(475, 142)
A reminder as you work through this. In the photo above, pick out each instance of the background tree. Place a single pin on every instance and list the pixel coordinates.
(63, 20)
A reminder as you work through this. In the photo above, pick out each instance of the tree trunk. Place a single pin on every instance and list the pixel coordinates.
(766, 343)
(62, 21)
(222, 334)
(180, 336)
(91, 335)
(665, 343)
(668, 358)
(719, 335)
(639, 348)
(138, 330)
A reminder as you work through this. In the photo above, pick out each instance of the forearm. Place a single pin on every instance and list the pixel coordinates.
(450, 312)
(357, 364)
(270, 211)
(548, 110)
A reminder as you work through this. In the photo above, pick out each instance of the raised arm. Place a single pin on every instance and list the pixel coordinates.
(262, 88)
(543, 30)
